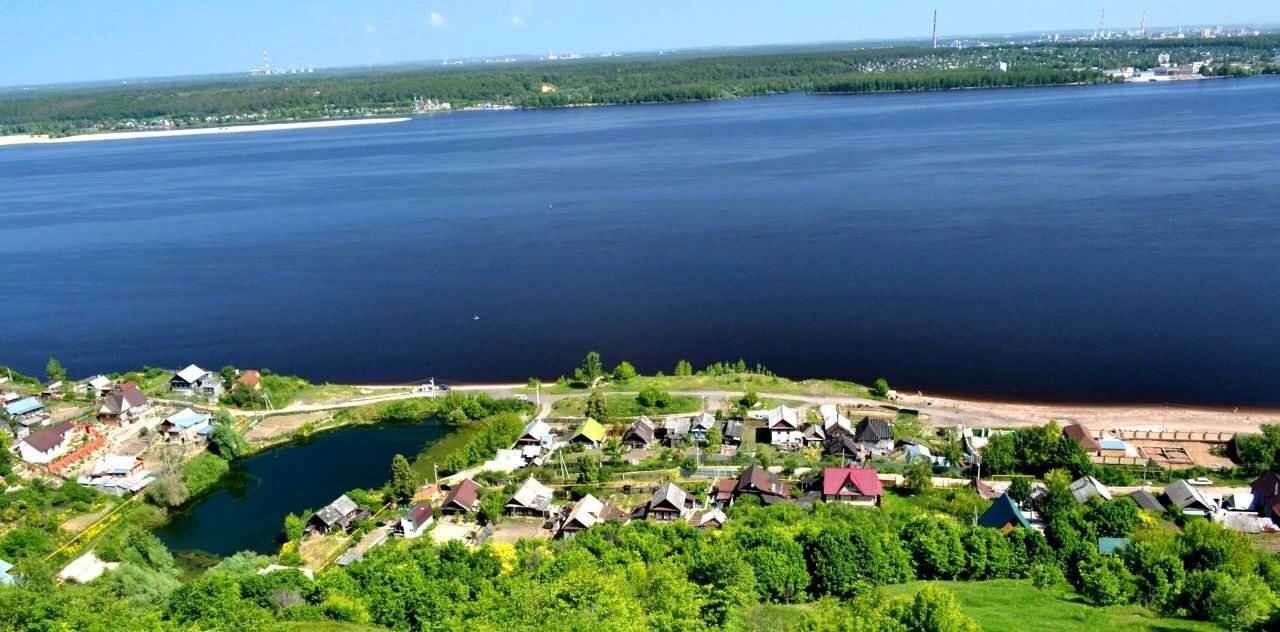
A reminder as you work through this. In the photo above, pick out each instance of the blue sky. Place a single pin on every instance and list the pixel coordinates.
(48, 41)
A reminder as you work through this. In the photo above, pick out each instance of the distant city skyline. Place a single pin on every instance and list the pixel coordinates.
(84, 40)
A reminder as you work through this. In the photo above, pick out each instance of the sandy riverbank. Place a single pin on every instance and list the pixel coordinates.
(26, 139)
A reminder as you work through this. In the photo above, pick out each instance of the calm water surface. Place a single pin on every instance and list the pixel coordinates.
(1110, 243)
(247, 512)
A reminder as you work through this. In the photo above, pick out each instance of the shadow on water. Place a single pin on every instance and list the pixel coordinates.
(245, 510)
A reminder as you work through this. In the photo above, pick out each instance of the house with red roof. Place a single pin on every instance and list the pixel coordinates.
(855, 485)
(250, 378)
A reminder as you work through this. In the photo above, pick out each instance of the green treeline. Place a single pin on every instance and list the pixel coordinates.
(954, 80)
(642, 79)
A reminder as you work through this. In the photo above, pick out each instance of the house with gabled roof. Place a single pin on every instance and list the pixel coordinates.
(1081, 434)
(462, 499)
(1266, 493)
(415, 521)
(588, 512)
(197, 381)
(1087, 487)
(184, 426)
(532, 499)
(337, 515)
(733, 431)
(590, 432)
(44, 446)
(1004, 515)
(675, 431)
(536, 432)
(124, 407)
(874, 434)
(757, 481)
(711, 519)
(700, 425)
(669, 502)
(814, 435)
(117, 474)
(26, 411)
(842, 445)
(100, 385)
(859, 486)
(1191, 500)
(640, 435)
(1147, 501)
(250, 378)
(784, 427)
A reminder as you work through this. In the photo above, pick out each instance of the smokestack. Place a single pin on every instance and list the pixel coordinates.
(935, 28)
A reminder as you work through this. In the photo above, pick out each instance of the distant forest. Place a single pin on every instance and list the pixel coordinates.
(65, 110)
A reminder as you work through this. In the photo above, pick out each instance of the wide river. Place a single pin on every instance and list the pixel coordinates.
(1110, 243)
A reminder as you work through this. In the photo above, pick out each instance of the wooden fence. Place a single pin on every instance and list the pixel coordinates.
(1195, 436)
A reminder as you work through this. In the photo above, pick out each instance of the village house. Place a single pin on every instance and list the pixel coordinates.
(415, 521)
(1004, 515)
(586, 513)
(462, 499)
(1086, 488)
(117, 474)
(814, 435)
(1080, 434)
(859, 486)
(26, 412)
(1189, 499)
(532, 499)
(1148, 501)
(100, 385)
(784, 428)
(537, 433)
(52, 390)
(250, 379)
(754, 480)
(184, 426)
(336, 516)
(700, 425)
(675, 431)
(43, 446)
(640, 435)
(874, 435)
(733, 431)
(713, 519)
(841, 444)
(198, 382)
(669, 502)
(1266, 493)
(833, 420)
(589, 432)
(124, 407)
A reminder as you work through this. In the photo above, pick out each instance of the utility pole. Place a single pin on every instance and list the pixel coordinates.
(537, 393)
(433, 388)
(436, 471)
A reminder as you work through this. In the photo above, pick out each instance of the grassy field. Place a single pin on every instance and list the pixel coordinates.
(1016, 605)
(627, 406)
(737, 382)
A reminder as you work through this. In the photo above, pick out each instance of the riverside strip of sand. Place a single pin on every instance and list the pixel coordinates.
(27, 139)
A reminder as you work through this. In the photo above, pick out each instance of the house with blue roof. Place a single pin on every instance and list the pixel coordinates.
(185, 426)
(26, 411)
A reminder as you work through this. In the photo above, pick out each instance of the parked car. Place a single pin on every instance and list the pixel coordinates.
(1200, 481)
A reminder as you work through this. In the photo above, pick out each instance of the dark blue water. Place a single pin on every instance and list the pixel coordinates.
(247, 512)
(1111, 243)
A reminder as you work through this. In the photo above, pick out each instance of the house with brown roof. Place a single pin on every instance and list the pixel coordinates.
(124, 407)
(757, 481)
(1080, 434)
(250, 378)
(464, 498)
(859, 486)
(43, 446)
(415, 521)
(1266, 492)
(640, 435)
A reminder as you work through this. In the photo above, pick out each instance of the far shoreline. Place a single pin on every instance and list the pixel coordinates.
(28, 139)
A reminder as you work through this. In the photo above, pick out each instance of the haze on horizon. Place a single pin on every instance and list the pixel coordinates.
(83, 40)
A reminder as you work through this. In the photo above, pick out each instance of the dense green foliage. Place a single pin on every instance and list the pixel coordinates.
(457, 408)
(651, 79)
(498, 433)
(1035, 451)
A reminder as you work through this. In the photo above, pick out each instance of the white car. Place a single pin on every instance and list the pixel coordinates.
(1200, 481)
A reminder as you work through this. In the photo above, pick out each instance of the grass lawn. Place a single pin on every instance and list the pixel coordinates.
(627, 406)
(737, 382)
(1017, 605)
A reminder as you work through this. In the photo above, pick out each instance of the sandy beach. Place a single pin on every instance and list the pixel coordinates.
(27, 139)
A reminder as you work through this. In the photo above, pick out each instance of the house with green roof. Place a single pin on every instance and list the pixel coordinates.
(590, 431)
(1004, 515)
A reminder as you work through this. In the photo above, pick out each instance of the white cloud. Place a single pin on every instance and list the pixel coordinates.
(518, 21)
(369, 28)
(436, 20)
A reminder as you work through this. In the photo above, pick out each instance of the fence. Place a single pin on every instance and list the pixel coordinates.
(1196, 436)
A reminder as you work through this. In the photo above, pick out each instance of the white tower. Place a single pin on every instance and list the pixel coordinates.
(266, 62)
(935, 28)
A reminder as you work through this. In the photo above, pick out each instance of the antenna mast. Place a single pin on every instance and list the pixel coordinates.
(1142, 28)
(935, 28)
(266, 62)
